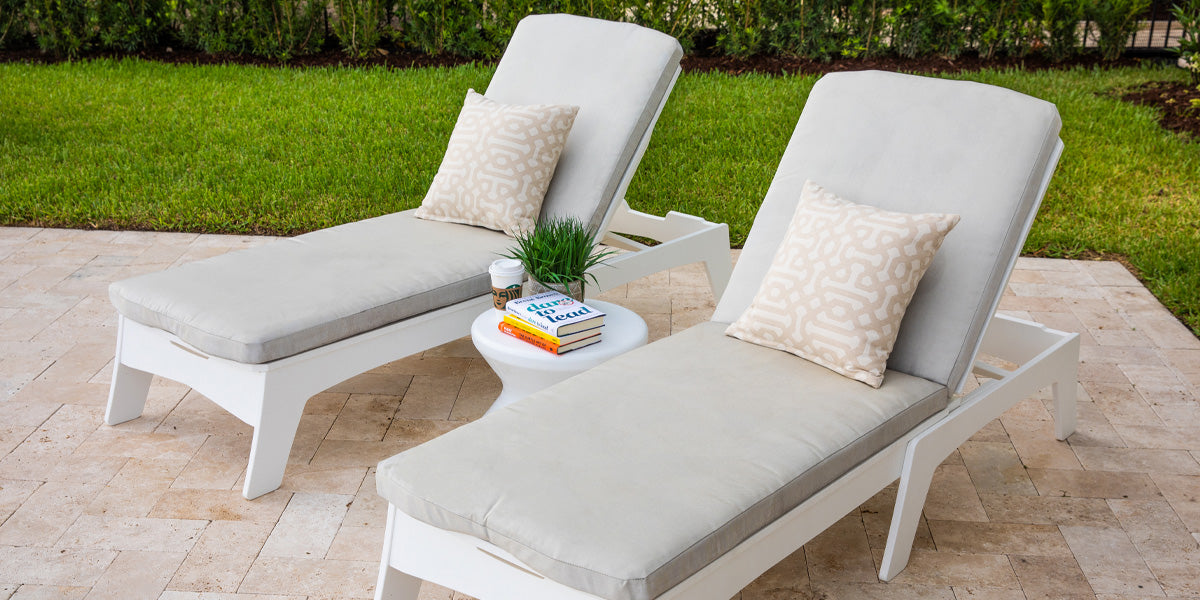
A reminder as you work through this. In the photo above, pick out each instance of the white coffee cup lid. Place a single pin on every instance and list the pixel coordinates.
(506, 266)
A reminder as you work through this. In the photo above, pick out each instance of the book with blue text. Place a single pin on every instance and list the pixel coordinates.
(555, 313)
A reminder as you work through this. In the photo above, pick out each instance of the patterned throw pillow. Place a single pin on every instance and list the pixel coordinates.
(840, 283)
(498, 164)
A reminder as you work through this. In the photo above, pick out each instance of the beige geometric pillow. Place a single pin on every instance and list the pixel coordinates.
(498, 164)
(840, 283)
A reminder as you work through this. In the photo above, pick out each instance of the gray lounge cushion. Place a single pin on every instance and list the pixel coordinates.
(628, 478)
(917, 145)
(278, 300)
(273, 301)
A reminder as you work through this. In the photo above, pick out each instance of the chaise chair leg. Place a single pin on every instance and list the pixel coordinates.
(127, 394)
(271, 445)
(1064, 409)
(915, 480)
(129, 388)
(394, 584)
(719, 267)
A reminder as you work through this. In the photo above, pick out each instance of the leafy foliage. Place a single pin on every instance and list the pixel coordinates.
(741, 29)
(1187, 12)
(1116, 21)
(454, 26)
(12, 19)
(131, 25)
(284, 28)
(817, 29)
(214, 26)
(358, 25)
(1061, 20)
(678, 18)
(69, 27)
(64, 27)
(276, 28)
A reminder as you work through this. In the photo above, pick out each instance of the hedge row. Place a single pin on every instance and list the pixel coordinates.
(818, 29)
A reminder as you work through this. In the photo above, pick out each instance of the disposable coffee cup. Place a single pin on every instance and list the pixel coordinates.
(507, 275)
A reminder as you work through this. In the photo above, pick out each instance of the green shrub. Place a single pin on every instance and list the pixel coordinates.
(913, 32)
(954, 25)
(277, 29)
(1116, 21)
(859, 28)
(436, 26)
(740, 27)
(1009, 27)
(63, 27)
(1060, 19)
(12, 21)
(214, 26)
(284, 28)
(816, 29)
(132, 24)
(809, 29)
(473, 29)
(69, 27)
(678, 18)
(1187, 12)
(358, 25)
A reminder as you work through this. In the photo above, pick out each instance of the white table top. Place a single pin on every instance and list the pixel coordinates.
(623, 331)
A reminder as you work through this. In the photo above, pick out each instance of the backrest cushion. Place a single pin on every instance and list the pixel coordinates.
(918, 145)
(840, 282)
(498, 164)
(618, 74)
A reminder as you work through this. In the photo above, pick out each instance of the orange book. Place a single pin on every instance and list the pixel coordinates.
(544, 344)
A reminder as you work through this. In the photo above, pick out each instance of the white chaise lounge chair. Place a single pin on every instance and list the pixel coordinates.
(260, 331)
(686, 468)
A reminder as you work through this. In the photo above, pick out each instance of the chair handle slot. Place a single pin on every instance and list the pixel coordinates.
(509, 562)
(188, 350)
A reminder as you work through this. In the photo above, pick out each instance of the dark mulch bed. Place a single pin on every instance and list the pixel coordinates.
(777, 65)
(333, 57)
(1174, 101)
(702, 61)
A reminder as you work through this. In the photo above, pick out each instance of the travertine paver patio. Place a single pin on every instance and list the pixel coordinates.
(152, 508)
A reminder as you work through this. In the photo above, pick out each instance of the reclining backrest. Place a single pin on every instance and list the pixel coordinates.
(916, 144)
(619, 75)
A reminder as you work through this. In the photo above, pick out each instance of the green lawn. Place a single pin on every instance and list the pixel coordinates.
(136, 145)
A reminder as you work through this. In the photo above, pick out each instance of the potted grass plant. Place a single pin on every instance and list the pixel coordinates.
(557, 254)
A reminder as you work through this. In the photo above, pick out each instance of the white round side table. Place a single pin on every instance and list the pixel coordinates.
(524, 369)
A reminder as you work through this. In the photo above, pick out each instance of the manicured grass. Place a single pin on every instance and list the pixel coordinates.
(246, 149)
(136, 145)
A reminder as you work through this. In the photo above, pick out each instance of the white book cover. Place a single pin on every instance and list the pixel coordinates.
(556, 313)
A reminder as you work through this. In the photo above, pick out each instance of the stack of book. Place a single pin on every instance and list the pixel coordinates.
(553, 322)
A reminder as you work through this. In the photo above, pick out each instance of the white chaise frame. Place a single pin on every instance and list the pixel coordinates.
(280, 389)
(414, 551)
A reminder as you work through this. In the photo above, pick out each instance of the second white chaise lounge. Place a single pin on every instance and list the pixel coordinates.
(686, 468)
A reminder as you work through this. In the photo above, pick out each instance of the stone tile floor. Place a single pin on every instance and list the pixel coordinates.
(152, 508)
